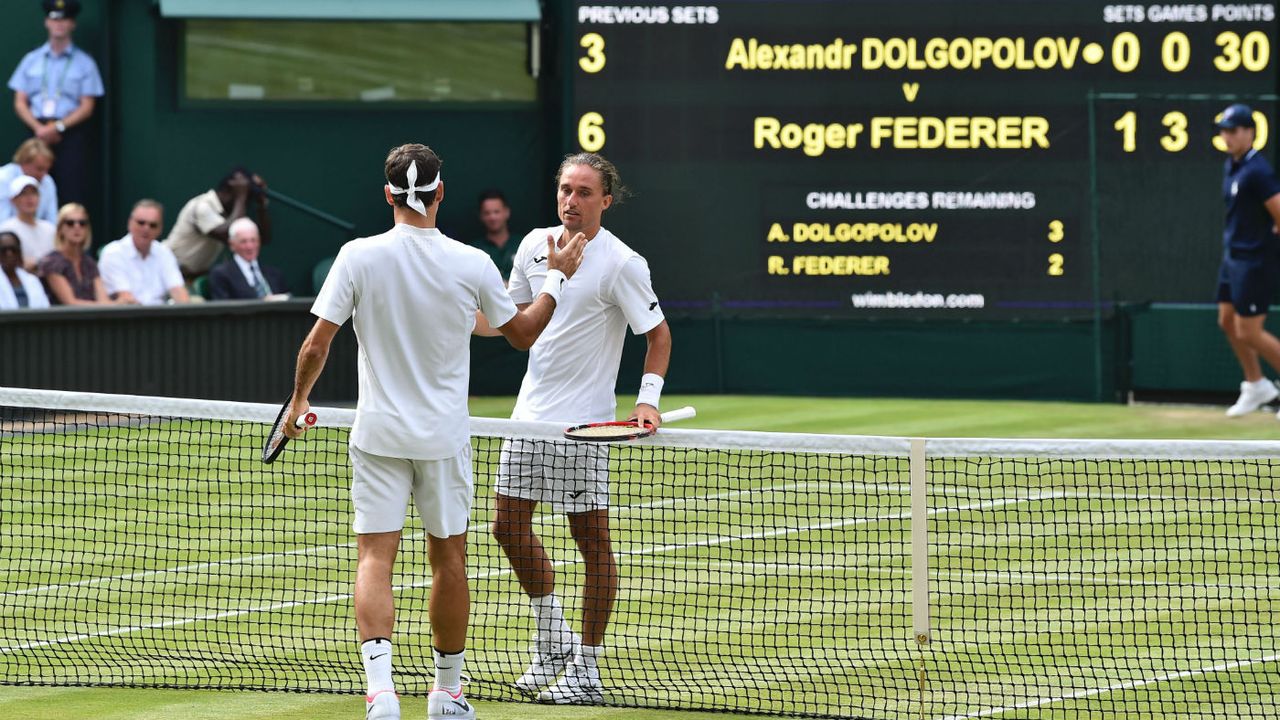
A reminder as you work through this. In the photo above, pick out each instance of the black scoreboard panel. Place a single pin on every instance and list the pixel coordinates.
(916, 157)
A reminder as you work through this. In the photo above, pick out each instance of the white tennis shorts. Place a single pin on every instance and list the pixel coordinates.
(441, 490)
(571, 477)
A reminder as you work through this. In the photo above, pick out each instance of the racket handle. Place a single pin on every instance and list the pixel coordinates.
(306, 419)
(683, 413)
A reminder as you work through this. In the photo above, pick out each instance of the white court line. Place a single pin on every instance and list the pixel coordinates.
(996, 576)
(540, 520)
(988, 712)
(654, 549)
(180, 569)
(550, 518)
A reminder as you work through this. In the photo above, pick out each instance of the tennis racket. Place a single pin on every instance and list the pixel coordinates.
(277, 439)
(623, 430)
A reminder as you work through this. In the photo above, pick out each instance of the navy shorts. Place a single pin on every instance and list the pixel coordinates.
(1248, 284)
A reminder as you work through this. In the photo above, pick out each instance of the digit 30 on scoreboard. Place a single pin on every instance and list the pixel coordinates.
(919, 157)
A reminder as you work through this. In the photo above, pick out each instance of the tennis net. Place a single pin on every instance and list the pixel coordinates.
(144, 544)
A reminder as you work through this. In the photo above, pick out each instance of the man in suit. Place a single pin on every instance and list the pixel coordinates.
(241, 277)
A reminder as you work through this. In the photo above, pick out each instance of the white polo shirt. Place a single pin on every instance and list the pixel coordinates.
(37, 240)
(413, 293)
(149, 278)
(573, 366)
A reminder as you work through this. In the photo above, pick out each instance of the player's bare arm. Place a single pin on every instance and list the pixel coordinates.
(656, 361)
(523, 329)
(311, 360)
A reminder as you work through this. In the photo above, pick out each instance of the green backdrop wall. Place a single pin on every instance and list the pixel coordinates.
(153, 146)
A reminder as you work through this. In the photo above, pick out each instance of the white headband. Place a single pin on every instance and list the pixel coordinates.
(414, 188)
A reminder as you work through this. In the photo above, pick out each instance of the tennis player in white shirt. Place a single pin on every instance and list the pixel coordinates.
(573, 368)
(413, 294)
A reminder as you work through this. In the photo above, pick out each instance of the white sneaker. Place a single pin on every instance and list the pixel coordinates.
(444, 705)
(383, 705)
(1252, 397)
(580, 685)
(549, 660)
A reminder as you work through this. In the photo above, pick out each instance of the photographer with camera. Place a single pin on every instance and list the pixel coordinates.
(202, 228)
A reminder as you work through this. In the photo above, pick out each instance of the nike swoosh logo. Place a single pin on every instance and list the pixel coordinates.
(375, 657)
(462, 704)
(574, 495)
(539, 259)
(561, 283)
(653, 305)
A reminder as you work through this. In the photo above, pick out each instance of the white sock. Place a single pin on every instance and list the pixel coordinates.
(549, 619)
(377, 664)
(589, 656)
(449, 670)
(1261, 383)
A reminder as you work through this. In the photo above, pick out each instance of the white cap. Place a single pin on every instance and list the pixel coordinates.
(20, 183)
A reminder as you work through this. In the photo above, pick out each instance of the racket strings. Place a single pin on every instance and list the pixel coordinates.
(618, 432)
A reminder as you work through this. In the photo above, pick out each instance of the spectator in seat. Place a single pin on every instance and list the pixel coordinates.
(70, 275)
(242, 277)
(36, 234)
(138, 270)
(32, 158)
(18, 288)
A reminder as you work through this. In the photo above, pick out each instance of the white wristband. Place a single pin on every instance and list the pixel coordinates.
(650, 389)
(553, 284)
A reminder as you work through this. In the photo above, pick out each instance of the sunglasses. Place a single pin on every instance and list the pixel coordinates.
(8, 248)
(74, 221)
(149, 223)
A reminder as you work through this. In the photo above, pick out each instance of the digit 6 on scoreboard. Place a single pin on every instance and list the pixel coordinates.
(591, 132)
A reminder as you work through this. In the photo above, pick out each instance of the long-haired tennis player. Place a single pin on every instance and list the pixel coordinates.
(572, 371)
(413, 294)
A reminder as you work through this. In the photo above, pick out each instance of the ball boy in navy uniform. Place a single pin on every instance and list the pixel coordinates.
(1250, 274)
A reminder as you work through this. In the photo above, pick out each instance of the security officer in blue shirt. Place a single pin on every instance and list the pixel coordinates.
(1250, 274)
(54, 91)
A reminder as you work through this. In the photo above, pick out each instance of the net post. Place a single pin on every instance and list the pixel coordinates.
(920, 559)
(919, 543)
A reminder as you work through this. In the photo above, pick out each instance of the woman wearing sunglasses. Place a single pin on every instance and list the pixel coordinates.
(18, 288)
(70, 274)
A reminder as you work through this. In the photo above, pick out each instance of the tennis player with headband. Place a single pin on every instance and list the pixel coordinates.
(573, 369)
(412, 294)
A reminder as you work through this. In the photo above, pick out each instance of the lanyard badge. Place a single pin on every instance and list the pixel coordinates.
(49, 101)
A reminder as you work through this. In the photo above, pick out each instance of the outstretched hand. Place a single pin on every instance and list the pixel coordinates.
(568, 258)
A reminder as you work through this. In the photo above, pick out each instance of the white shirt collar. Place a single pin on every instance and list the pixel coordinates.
(419, 232)
(132, 250)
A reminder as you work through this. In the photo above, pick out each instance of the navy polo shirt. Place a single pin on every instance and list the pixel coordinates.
(1246, 185)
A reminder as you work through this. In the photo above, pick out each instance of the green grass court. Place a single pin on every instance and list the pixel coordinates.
(1104, 589)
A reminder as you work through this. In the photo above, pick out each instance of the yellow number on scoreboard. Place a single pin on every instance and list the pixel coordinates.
(1262, 130)
(1128, 127)
(591, 131)
(593, 62)
(1055, 264)
(1175, 52)
(1254, 52)
(1056, 231)
(1177, 137)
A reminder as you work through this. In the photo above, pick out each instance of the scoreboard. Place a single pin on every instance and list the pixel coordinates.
(922, 158)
